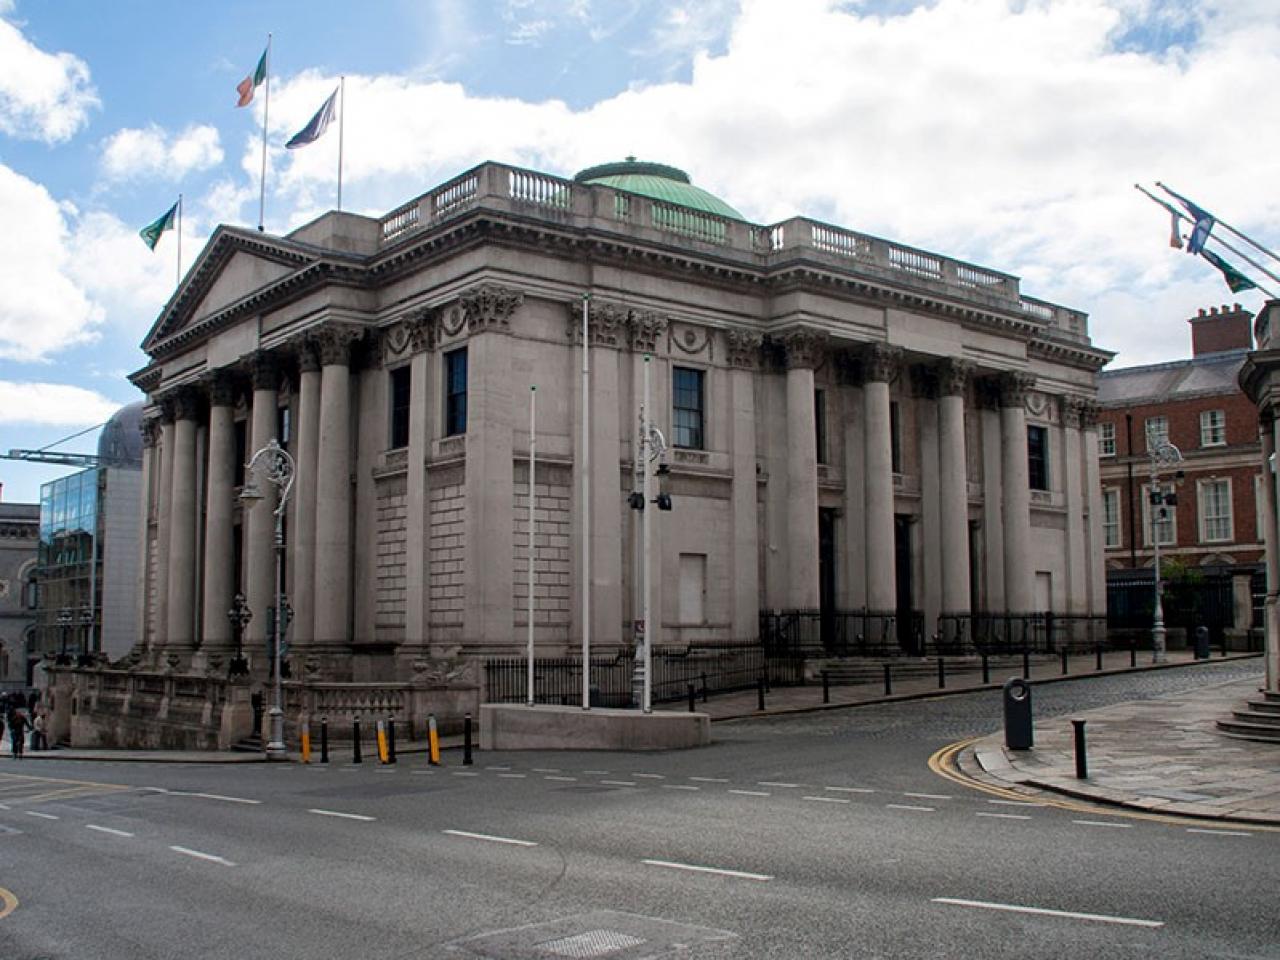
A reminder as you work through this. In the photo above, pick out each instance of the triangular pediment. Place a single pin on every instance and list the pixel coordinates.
(234, 265)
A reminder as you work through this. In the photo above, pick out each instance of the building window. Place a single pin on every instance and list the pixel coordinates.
(895, 437)
(400, 382)
(1106, 439)
(1111, 517)
(1157, 432)
(1165, 518)
(455, 392)
(1215, 511)
(687, 407)
(820, 423)
(1213, 428)
(1038, 457)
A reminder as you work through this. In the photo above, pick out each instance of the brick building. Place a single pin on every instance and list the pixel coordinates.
(1213, 528)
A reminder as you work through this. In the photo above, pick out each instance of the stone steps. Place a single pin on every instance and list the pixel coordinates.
(1255, 719)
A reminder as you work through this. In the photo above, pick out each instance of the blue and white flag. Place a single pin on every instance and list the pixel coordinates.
(315, 129)
(1204, 222)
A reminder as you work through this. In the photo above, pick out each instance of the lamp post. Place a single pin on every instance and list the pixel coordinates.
(239, 616)
(86, 621)
(64, 621)
(1162, 454)
(273, 464)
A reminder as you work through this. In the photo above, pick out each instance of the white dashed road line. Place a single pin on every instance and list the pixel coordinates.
(751, 793)
(827, 799)
(775, 783)
(545, 769)
(1219, 833)
(648, 776)
(559, 778)
(700, 869)
(492, 839)
(344, 816)
(710, 779)
(849, 789)
(928, 796)
(619, 783)
(908, 806)
(678, 786)
(211, 858)
(513, 776)
(42, 816)
(111, 830)
(1104, 823)
(1044, 912)
(1004, 816)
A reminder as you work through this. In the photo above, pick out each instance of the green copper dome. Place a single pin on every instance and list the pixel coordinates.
(657, 181)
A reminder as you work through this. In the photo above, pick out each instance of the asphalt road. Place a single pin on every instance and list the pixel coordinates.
(824, 835)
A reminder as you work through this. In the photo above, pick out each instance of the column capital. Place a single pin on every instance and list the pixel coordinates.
(607, 323)
(489, 307)
(220, 387)
(1080, 412)
(881, 363)
(264, 370)
(953, 376)
(743, 349)
(423, 327)
(304, 351)
(645, 327)
(184, 403)
(1014, 387)
(805, 348)
(150, 430)
(333, 343)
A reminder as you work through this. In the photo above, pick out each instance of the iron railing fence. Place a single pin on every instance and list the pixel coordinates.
(1207, 602)
(842, 633)
(963, 634)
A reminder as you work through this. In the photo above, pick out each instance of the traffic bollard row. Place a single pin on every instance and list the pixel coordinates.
(433, 741)
(466, 741)
(324, 739)
(1082, 761)
(355, 741)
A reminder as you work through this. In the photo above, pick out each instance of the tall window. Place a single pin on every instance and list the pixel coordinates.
(1215, 511)
(895, 437)
(1106, 439)
(1038, 457)
(820, 423)
(687, 407)
(1165, 520)
(455, 392)
(1111, 517)
(1213, 428)
(1157, 432)
(400, 386)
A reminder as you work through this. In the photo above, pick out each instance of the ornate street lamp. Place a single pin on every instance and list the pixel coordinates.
(1163, 454)
(86, 621)
(239, 616)
(273, 465)
(64, 620)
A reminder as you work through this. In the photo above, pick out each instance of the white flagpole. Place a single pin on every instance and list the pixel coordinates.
(342, 120)
(586, 507)
(533, 435)
(266, 108)
(1222, 223)
(179, 279)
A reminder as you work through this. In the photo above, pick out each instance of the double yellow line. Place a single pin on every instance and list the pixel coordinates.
(8, 903)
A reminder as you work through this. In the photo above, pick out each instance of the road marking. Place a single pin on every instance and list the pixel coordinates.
(678, 786)
(849, 789)
(619, 783)
(497, 768)
(421, 773)
(595, 773)
(561, 779)
(218, 796)
(775, 783)
(710, 779)
(929, 796)
(513, 776)
(8, 903)
(1004, 816)
(1104, 823)
(545, 769)
(202, 856)
(42, 816)
(649, 776)
(1220, 833)
(465, 773)
(490, 838)
(699, 869)
(111, 830)
(1017, 803)
(5, 806)
(751, 793)
(827, 799)
(908, 806)
(345, 816)
(1042, 911)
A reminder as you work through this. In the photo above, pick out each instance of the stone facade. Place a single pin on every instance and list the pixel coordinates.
(831, 401)
(19, 539)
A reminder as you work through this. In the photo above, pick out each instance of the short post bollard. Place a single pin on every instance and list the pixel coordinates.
(433, 741)
(888, 681)
(391, 739)
(355, 741)
(1098, 653)
(1133, 654)
(306, 741)
(324, 739)
(693, 698)
(380, 739)
(1026, 664)
(760, 694)
(466, 741)
(942, 672)
(826, 687)
(986, 668)
(1082, 761)
(1018, 725)
(1064, 661)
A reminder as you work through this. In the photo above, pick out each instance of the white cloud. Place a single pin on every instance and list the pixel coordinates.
(52, 404)
(43, 96)
(153, 152)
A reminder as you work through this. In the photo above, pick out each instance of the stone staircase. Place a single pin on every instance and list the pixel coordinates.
(1258, 718)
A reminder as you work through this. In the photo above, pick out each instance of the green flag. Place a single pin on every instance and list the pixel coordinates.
(151, 232)
(1236, 280)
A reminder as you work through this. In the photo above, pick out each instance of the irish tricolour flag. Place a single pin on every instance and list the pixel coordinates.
(249, 84)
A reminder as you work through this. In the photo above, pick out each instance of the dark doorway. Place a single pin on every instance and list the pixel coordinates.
(827, 580)
(908, 638)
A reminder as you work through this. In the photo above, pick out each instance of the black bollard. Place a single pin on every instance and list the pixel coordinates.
(1082, 761)
(466, 741)
(1133, 654)
(826, 687)
(888, 683)
(391, 739)
(693, 698)
(1026, 664)
(986, 668)
(942, 672)
(1064, 661)
(760, 694)
(355, 741)
(1098, 653)
(324, 739)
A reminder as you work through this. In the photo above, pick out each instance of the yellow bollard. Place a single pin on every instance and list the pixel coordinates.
(306, 742)
(382, 743)
(433, 740)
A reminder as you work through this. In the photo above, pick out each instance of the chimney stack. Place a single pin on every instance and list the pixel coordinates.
(1221, 328)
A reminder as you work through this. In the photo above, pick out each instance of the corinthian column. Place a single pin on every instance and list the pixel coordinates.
(147, 599)
(304, 493)
(744, 360)
(803, 351)
(333, 488)
(953, 483)
(879, 366)
(164, 513)
(259, 521)
(219, 564)
(180, 620)
(1016, 499)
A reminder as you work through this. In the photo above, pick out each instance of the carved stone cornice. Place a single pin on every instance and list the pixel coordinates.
(743, 349)
(220, 387)
(264, 370)
(645, 327)
(150, 430)
(881, 363)
(489, 307)
(333, 343)
(1014, 387)
(953, 376)
(805, 349)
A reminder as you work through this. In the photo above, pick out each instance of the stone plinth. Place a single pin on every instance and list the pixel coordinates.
(543, 727)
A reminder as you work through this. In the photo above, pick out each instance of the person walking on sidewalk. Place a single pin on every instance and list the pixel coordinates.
(39, 741)
(17, 729)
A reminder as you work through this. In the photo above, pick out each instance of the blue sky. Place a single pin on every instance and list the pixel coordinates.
(1006, 132)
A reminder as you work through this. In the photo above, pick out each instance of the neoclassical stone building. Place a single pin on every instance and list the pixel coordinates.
(853, 425)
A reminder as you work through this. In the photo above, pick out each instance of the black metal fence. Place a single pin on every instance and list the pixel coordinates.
(1205, 602)
(960, 634)
(842, 633)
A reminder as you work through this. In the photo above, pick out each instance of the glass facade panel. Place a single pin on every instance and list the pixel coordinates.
(70, 569)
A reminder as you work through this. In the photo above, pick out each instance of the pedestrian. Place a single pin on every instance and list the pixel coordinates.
(17, 731)
(38, 727)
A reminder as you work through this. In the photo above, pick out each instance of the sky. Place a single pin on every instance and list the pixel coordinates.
(1008, 133)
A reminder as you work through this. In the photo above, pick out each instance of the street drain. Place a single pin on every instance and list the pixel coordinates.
(594, 943)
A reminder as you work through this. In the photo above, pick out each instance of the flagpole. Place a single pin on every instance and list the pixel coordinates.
(266, 108)
(1225, 225)
(1218, 240)
(533, 440)
(342, 120)
(586, 506)
(179, 278)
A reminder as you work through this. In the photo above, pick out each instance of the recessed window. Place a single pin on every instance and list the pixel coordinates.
(455, 392)
(688, 403)
(1038, 457)
(1213, 428)
(1157, 432)
(1106, 439)
(400, 381)
(820, 423)
(1215, 511)
(1111, 517)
